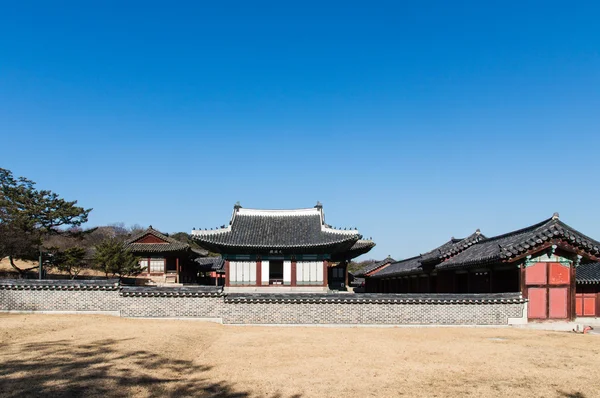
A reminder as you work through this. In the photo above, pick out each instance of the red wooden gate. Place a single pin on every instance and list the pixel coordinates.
(587, 300)
(548, 288)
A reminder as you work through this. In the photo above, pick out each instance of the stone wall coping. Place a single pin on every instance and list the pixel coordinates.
(163, 291)
(377, 298)
(59, 284)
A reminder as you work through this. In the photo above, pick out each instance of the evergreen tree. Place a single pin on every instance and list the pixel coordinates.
(113, 258)
(28, 215)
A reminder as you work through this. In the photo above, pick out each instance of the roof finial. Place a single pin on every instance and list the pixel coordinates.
(237, 205)
(319, 205)
(478, 231)
(150, 227)
(555, 216)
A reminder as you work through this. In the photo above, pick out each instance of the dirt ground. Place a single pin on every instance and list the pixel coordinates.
(78, 355)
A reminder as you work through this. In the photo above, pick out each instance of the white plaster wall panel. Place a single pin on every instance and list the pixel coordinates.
(287, 272)
(252, 273)
(264, 275)
(232, 271)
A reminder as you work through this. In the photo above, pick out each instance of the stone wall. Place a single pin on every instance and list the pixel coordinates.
(212, 303)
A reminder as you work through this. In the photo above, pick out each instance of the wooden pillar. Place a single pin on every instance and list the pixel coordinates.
(325, 276)
(572, 309)
(227, 273)
(346, 274)
(293, 275)
(258, 273)
(177, 268)
(522, 270)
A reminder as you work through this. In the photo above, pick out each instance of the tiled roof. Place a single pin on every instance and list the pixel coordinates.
(407, 266)
(361, 246)
(504, 247)
(588, 273)
(451, 248)
(169, 245)
(373, 266)
(211, 263)
(277, 229)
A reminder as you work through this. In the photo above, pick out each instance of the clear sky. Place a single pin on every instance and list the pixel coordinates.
(412, 121)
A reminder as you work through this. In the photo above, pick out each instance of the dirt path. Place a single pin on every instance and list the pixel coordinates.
(94, 355)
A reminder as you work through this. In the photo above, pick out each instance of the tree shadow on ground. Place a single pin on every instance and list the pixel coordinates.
(101, 368)
(571, 394)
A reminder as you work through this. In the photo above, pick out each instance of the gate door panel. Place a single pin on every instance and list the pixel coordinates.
(548, 289)
(558, 302)
(536, 274)
(537, 303)
(559, 274)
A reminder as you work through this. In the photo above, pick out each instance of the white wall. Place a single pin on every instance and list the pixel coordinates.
(264, 272)
(287, 272)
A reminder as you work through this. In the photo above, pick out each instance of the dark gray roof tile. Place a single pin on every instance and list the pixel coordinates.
(588, 273)
(169, 245)
(276, 229)
(506, 246)
(373, 266)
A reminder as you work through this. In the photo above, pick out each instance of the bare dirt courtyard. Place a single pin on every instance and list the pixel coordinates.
(70, 355)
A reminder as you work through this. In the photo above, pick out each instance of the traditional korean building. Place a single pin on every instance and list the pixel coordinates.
(550, 263)
(283, 250)
(165, 260)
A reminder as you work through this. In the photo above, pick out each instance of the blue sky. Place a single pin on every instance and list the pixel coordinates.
(412, 121)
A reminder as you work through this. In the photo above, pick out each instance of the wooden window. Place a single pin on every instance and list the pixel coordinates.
(144, 264)
(157, 265)
(309, 272)
(242, 272)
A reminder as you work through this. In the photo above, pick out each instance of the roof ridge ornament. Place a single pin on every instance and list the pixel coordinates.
(319, 205)
(237, 205)
(555, 216)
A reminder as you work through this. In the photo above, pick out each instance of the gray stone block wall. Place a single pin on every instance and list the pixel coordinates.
(172, 307)
(210, 305)
(59, 300)
(372, 314)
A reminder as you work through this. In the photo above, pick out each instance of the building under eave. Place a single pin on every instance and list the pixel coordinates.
(553, 265)
(283, 250)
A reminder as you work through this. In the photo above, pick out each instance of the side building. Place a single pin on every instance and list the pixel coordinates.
(283, 250)
(553, 265)
(164, 259)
